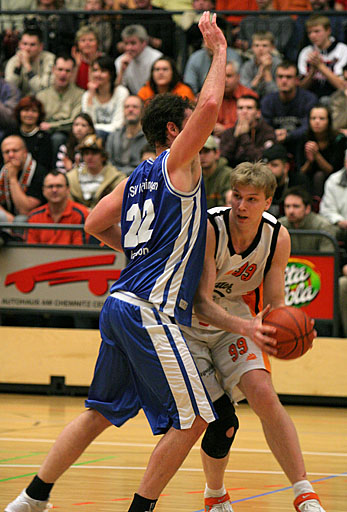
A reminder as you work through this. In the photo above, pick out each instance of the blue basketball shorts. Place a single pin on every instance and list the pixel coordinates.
(144, 362)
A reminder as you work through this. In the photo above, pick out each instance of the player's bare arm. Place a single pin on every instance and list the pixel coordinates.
(274, 279)
(210, 312)
(103, 220)
(183, 160)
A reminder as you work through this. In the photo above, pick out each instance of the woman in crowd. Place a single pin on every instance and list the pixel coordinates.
(104, 101)
(69, 155)
(29, 113)
(322, 150)
(165, 78)
(85, 51)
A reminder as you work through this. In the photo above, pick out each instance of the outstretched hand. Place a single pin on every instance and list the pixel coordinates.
(213, 36)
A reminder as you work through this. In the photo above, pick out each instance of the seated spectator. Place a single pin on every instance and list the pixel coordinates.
(134, 65)
(299, 215)
(124, 145)
(258, 72)
(101, 24)
(69, 155)
(287, 110)
(333, 205)
(199, 63)
(61, 101)
(281, 26)
(233, 91)
(321, 151)
(30, 69)
(59, 209)
(15, 22)
(165, 77)
(189, 23)
(104, 100)
(338, 106)
(21, 179)
(59, 29)
(320, 63)
(94, 178)
(9, 97)
(159, 26)
(246, 141)
(85, 51)
(216, 173)
(276, 157)
(29, 113)
(147, 152)
(317, 7)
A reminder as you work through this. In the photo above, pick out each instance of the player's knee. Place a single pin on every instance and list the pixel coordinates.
(220, 434)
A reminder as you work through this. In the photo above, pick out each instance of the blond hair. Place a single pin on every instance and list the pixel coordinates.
(257, 175)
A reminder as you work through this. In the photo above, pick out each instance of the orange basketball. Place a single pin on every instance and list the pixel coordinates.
(294, 332)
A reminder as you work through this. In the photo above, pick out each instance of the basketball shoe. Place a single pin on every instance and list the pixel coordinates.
(221, 504)
(23, 503)
(308, 502)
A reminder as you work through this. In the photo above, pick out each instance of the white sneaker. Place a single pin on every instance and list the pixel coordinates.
(221, 504)
(23, 503)
(308, 502)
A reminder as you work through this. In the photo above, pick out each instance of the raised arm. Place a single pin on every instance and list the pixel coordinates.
(103, 220)
(200, 124)
(210, 312)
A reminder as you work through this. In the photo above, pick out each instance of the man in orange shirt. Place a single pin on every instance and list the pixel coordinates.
(59, 209)
(233, 91)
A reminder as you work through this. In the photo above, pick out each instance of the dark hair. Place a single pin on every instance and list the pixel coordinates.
(107, 64)
(286, 64)
(331, 133)
(250, 97)
(162, 109)
(72, 141)
(32, 29)
(176, 77)
(300, 192)
(64, 56)
(56, 172)
(27, 102)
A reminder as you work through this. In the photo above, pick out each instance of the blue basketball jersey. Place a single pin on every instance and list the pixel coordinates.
(163, 237)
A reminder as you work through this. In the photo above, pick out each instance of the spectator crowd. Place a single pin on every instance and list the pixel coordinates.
(73, 89)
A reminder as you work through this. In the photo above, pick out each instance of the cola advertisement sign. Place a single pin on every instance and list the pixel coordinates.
(309, 284)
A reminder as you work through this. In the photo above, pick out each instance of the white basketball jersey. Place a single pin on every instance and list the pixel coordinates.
(239, 283)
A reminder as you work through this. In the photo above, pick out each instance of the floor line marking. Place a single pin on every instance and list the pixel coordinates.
(148, 445)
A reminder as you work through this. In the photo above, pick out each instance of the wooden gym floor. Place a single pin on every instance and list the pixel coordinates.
(106, 475)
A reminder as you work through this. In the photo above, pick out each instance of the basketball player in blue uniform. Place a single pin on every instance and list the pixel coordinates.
(247, 251)
(143, 360)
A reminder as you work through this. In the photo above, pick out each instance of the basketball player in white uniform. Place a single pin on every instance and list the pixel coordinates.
(246, 255)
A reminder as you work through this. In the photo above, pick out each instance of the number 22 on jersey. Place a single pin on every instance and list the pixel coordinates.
(141, 221)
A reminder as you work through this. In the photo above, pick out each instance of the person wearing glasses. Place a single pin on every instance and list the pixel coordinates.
(59, 209)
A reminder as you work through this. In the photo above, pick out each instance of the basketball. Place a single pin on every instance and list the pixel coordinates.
(294, 332)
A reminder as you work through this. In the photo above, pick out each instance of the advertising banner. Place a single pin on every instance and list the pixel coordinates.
(73, 279)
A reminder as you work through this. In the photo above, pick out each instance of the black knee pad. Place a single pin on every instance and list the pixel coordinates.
(215, 442)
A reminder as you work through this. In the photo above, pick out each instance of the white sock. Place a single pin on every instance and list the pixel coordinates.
(301, 487)
(214, 493)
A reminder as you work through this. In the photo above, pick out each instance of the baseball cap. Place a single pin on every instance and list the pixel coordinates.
(211, 143)
(92, 141)
(275, 152)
